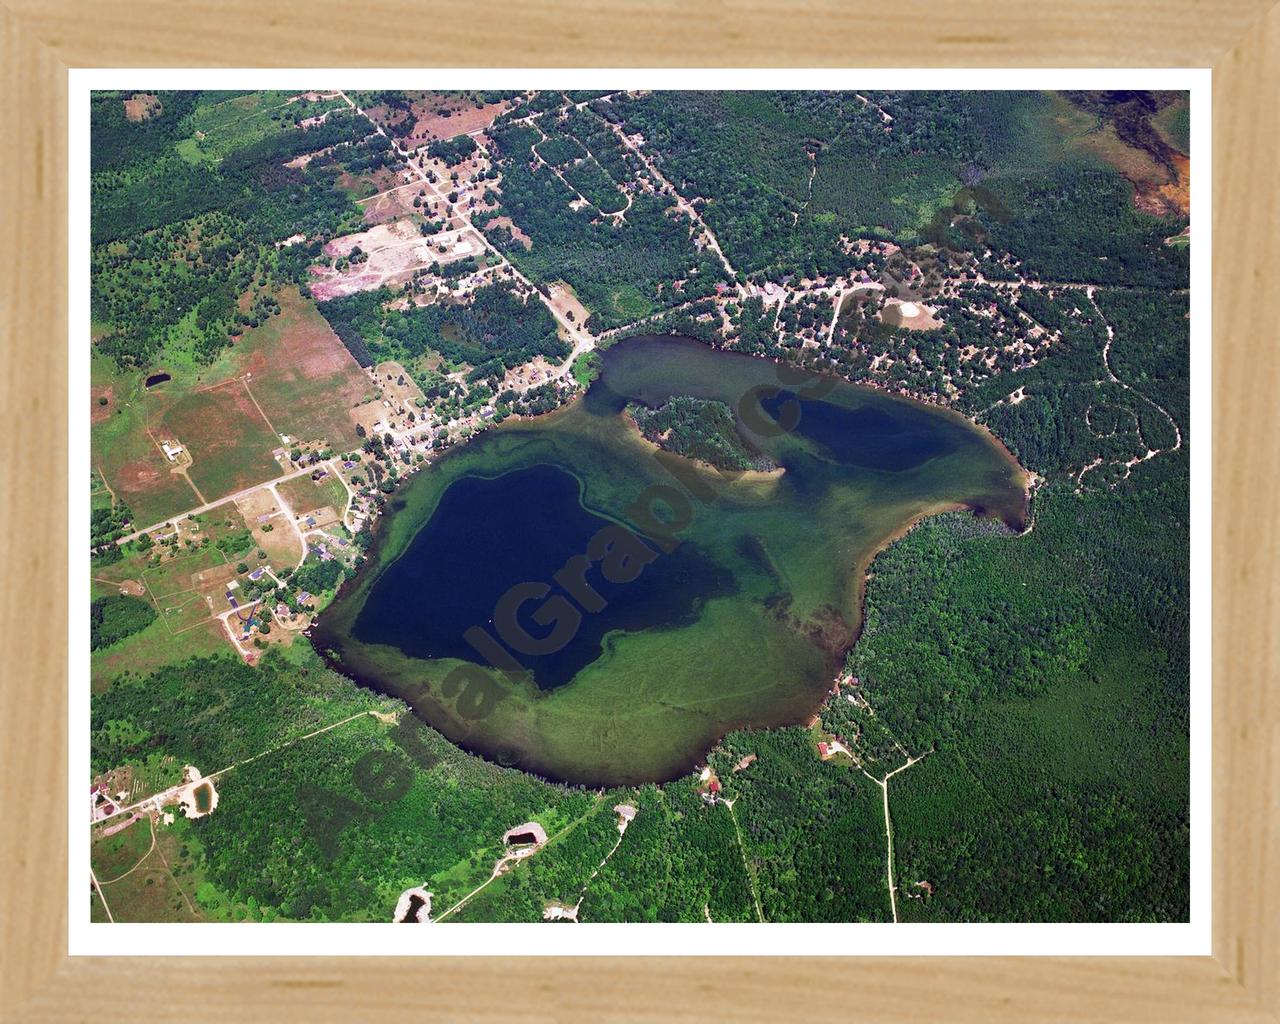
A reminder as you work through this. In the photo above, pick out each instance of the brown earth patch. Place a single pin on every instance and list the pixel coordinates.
(438, 115)
(229, 440)
(100, 410)
(389, 206)
(516, 232)
(396, 251)
(207, 579)
(141, 106)
(301, 374)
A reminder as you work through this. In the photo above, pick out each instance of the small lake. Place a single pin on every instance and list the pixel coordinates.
(559, 596)
(464, 572)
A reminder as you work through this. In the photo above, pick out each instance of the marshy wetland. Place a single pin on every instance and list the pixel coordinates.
(563, 596)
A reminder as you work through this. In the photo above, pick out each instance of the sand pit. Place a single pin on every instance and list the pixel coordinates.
(413, 907)
(528, 833)
(914, 316)
(199, 797)
(395, 251)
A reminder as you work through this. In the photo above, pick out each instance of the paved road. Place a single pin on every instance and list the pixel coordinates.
(207, 506)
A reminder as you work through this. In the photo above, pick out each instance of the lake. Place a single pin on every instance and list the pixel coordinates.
(560, 596)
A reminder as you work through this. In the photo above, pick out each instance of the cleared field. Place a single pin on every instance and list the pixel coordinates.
(175, 575)
(397, 203)
(302, 375)
(146, 883)
(229, 440)
(436, 115)
(304, 495)
(260, 510)
(396, 251)
(126, 455)
(223, 127)
(183, 611)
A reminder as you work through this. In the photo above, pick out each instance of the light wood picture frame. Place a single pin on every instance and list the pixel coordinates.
(1239, 39)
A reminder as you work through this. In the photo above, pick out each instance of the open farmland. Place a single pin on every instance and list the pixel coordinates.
(301, 375)
(126, 456)
(176, 575)
(229, 439)
(306, 495)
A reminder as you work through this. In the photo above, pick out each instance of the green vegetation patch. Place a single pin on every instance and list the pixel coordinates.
(699, 429)
(113, 618)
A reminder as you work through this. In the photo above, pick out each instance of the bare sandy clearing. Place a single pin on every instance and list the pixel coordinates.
(516, 232)
(395, 251)
(915, 316)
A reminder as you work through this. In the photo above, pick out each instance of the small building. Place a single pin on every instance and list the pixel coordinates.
(257, 574)
(171, 450)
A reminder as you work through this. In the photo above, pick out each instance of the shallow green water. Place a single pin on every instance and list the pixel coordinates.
(709, 601)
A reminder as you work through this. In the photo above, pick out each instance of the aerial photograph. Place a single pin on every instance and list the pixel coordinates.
(638, 506)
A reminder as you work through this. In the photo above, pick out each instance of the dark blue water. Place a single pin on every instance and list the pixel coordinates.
(489, 535)
(867, 437)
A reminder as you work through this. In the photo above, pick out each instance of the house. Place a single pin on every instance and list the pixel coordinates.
(257, 574)
(304, 596)
(822, 750)
(171, 449)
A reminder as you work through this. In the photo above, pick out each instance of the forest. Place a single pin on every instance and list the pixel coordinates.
(117, 616)
(699, 429)
(176, 243)
(496, 331)
(621, 272)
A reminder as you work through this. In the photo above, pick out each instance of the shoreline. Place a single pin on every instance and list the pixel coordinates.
(1012, 513)
(456, 734)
